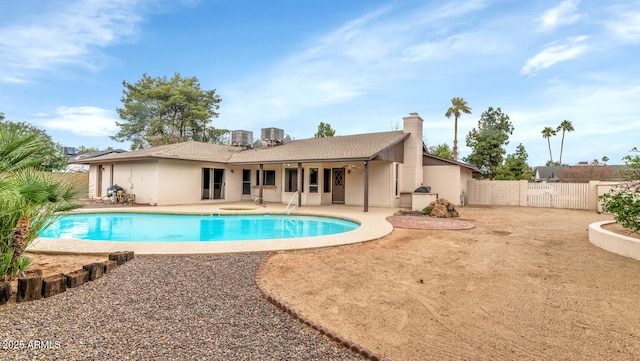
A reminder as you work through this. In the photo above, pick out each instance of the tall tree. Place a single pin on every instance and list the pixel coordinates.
(159, 111)
(515, 166)
(441, 150)
(458, 106)
(487, 141)
(547, 133)
(48, 152)
(565, 126)
(324, 130)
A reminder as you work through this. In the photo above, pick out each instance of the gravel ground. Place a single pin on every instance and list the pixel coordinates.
(164, 308)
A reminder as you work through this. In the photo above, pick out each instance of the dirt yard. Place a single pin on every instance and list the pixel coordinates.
(525, 284)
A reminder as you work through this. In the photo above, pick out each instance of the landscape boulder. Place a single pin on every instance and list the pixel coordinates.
(441, 208)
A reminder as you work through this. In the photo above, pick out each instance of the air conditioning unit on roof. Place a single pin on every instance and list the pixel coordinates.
(241, 138)
(272, 134)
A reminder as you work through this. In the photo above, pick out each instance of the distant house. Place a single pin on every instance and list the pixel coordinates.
(579, 173)
(74, 161)
(378, 169)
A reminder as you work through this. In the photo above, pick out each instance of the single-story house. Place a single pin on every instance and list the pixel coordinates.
(375, 169)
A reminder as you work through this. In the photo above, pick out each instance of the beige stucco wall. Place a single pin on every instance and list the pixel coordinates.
(139, 178)
(92, 181)
(381, 185)
(445, 180)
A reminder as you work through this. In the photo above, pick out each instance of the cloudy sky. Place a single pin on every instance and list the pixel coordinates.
(359, 65)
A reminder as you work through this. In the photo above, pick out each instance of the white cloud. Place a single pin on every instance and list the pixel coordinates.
(553, 54)
(563, 14)
(357, 58)
(83, 121)
(627, 26)
(67, 34)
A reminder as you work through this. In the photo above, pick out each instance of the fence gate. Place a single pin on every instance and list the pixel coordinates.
(558, 195)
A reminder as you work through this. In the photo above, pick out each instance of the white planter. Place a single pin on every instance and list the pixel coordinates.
(613, 242)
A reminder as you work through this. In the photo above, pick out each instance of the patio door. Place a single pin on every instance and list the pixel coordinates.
(337, 193)
(213, 183)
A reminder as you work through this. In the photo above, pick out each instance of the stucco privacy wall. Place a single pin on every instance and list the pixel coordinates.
(506, 193)
(522, 193)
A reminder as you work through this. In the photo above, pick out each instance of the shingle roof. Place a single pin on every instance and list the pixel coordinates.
(349, 147)
(187, 151)
(432, 159)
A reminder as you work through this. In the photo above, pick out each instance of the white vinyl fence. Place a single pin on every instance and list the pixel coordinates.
(558, 195)
(549, 195)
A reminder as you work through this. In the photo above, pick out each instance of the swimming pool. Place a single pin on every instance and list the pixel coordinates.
(136, 227)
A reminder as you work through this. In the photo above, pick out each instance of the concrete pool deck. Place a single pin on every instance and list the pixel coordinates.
(372, 226)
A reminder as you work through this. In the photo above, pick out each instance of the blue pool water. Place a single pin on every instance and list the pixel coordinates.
(189, 228)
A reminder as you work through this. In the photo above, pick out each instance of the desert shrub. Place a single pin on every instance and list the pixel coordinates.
(623, 202)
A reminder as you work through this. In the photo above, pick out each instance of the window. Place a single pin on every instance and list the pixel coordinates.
(397, 182)
(246, 181)
(268, 176)
(291, 180)
(326, 186)
(313, 180)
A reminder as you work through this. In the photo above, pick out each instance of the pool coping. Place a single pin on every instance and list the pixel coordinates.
(372, 226)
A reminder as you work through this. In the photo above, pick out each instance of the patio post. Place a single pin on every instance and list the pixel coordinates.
(366, 186)
(299, 185)
(260, 182)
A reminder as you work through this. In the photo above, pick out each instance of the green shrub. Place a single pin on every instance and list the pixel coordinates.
(427, 210)
(623, 202)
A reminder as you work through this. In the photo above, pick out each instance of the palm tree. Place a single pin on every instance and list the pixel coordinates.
(458, 105)
(565, 126)
(547, 133)
(605, 159)
(30, 200)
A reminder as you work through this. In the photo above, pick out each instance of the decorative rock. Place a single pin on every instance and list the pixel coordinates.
(5, 292)
(96, 270)
(77, 278)
(108, 266)
(29, 288)
(53, 285)
(439, 211)
(442, 208)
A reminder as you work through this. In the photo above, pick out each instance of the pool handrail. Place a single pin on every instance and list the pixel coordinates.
(287, 210)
